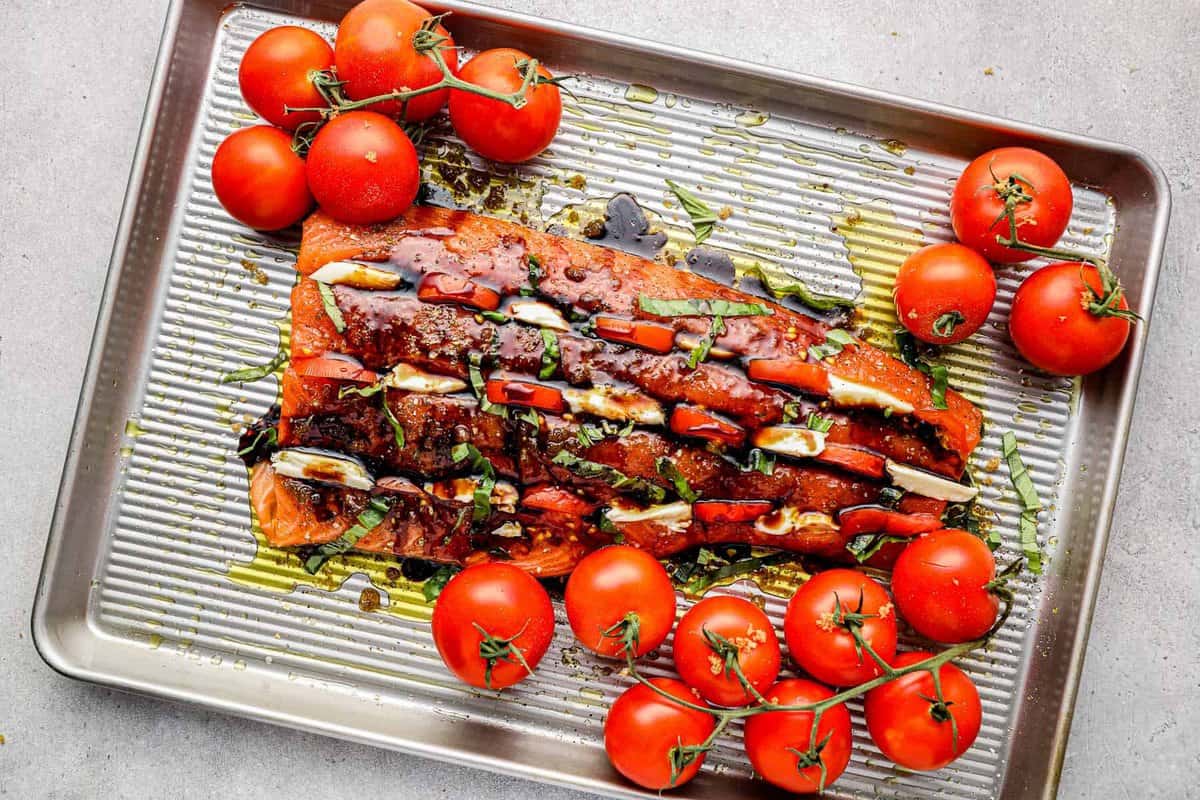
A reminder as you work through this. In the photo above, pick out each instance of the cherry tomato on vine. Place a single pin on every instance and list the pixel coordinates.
(495, 129)
(778, 742)
(276, 72)
(942, 583)
(374, 54)
(607, 587)
(915, 732)
(1016, 179)
(1070, 318)
(818, 635)
(260, 180)
(492, 624)
(708, 637)
(944, 293)
(362, 168)
(645, 732)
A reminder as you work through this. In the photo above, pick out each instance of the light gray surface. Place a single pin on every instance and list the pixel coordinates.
(71, 108)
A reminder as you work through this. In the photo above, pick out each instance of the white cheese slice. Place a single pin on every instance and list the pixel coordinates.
(408, 378)
(612, 403)
(360, 276)
(848, 393)
(789, 520)
(790, 440)
(675, 516)
(325, 467)
(918, 481)
(536, 313)
(462, 490)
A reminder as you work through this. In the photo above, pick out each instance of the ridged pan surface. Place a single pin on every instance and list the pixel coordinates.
(185, 574)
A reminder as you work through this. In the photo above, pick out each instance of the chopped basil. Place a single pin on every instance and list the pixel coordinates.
(361, 391)
(698, 571)
(761, 461)
(701, 351)
(910, 353)
(331, 307)
(816, 422)
(703, 218)
(248, 374)
(475, 375)
(591, 433)
(433, 585)
(890, 496)
(701, 308)
(272, 435)
(666, 467)
(531, 416)
(814, 300)
(535, 275)
(610, 475)
(368, 520)
(791, 412)
(836, 340)
(482, 499)
(866, 545)
(495, 316)
(550, 354)
(397, 428)
(1030, 503)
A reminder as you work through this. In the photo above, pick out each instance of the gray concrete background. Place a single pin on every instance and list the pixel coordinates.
(70, 103)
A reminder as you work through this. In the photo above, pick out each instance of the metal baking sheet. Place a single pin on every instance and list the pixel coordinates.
(154, 580)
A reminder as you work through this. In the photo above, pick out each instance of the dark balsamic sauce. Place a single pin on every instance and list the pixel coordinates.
(625, 227)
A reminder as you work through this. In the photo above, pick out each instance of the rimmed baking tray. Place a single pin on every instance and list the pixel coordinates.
(154, 580)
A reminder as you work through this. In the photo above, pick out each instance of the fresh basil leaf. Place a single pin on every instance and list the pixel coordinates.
(361, 391)
(708, 577)
(910, 353)
(610, 475)
(816, 422)
(535, 275)
(478, 386)
(369, 519)
(1031, 504)
(550, 354)
(866, 545)
(397, 428)
(482, 498)
(666, 467)
(761, 461)
(798, 290)
(331, 306)
(940, 383)
(704, 347)
(249, 374)
(791, 412)
(660, 307)
(836, 340)
(272, 435)
(496, 317)
(703, 218)
(433, 585)
(890, 496)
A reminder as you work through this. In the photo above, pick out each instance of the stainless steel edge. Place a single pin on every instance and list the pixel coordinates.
(73, 648)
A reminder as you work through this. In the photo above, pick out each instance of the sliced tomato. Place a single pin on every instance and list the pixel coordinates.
(692, 421)
(793, 372)
(556, 498)
(335, 366)
(877, 519)
(525, 393)
(853, 459)
(731, 510)
(650, 335)
(438, 287)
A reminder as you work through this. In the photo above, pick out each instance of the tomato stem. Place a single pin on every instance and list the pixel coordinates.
(493, 649)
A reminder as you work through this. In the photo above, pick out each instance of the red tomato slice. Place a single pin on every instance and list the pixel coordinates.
(650, 335)
(852, 459)
(730, 510)
(691, 421)
(335, 366)
(556, 498)
(525, 393)
(437, 287)
(792, 372)
(876, 519)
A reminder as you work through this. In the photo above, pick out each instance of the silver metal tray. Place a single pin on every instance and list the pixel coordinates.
(154, 580)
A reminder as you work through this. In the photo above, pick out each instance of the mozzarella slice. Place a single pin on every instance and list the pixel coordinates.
(790, 520)
(360, 276)
(462, 490)
(848, 393)
(675, 516)
(536, 313)
(918, 481)
(790, 440)
(408, 378)
(310, 465)
(612, 403)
